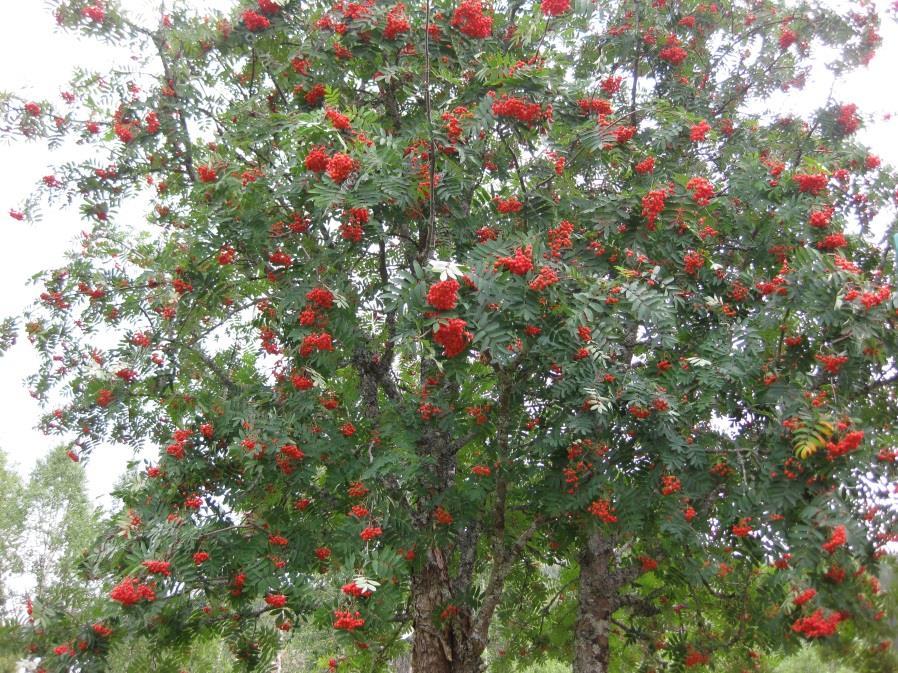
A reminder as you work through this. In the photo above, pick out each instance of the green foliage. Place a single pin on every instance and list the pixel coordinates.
(49, 525)
(439, 324)
(138, 655)
(545, 667)
(61, 525)
(808, 660)
(8, 330)
(12, 517)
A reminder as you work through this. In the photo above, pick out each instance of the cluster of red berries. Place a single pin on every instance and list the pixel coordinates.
(837, 539)
(276, 600)
(555, 7)
(509, 205)
(347, 621)
(453, 337)
(470, 20)
(130, 592)
(810, 183)
(602, 510)
(816, 625)
(517, 108)
(397, 22)
(652, 205)
(702, 190)
(519, 264)
(670, 484)
(545, 278)
(443, 296)
(254, 21)
(316, 342)
(158, 567)
(850, 442)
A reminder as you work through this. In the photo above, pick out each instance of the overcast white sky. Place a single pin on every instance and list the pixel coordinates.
(37, 61)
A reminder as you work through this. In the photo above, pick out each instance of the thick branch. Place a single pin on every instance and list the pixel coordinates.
(493, 592)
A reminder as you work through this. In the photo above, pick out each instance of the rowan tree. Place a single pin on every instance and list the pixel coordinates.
(433, 295)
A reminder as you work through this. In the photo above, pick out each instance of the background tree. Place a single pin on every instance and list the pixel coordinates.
(48, 525)
(431, 295)
(60, 526)
(11, 523)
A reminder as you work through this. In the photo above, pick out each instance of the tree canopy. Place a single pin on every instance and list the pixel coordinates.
(446, 311)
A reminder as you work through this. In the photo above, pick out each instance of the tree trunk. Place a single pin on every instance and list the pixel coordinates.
(431, 648)
(596, 596)
(439, 646)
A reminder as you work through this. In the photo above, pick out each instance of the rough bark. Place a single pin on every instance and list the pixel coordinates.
(453, 644)
(441, 645)
(436, 647)
(598, 588)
